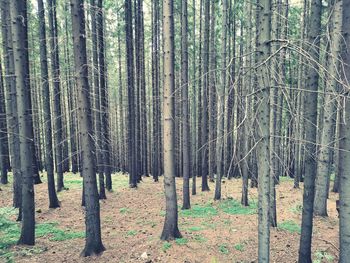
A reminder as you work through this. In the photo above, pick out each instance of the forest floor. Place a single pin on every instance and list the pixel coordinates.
(132, 221)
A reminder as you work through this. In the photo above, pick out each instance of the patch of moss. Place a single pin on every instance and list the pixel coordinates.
(181, 241)
(233, 207)
(289, 226)
(166, 246)
(199, 211)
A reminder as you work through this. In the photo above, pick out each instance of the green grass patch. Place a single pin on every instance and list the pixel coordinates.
(162, 213)
(233, 207)
(297, 209)
(120, 180)
(200, 238)
(199, 211)
(131, 233)
(223, 249)
(10, 232)
(322, 256)
(124, 210)
(166, 246)
(181, 241)
(209, 225)
(289, 226)
(195, 228)
(285, 179)
(239, 247)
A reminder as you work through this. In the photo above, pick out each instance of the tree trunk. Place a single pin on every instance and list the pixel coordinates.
(204, 117)
(53, 200)
(93, 242)
(131, 91)
(4, 149)
(57, 92)
(105, 136)
(262, 129)
(170, 229)
(11, 105)
(310, 115)
(186, 142)
(344, 143)
(327, 136)
(18, 10)
(221, 106)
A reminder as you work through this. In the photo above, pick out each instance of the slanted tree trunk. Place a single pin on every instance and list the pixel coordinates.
(18, 10)
(310, 115)
(93, 242)
(262, 129)
(170, 229)
(49, 163)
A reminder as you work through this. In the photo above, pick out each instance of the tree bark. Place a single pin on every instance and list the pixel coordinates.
(170, 229)
(93, 242)
(262, 129)
(18, 10)
(53, 200)
(310, 115)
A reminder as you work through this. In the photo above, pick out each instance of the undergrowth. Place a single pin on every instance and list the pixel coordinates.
(234, 207)
(289, 226)
(10, 232)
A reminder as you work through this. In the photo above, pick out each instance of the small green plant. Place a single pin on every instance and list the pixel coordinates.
(285, 179)
(195, 228)
(322, 256)
(239, 247)
(223, 249)
(209, 225)
(131, 233)
(162, 213)
(181, 241)
(166, 246)
(233, 207)
(124, 210)
(297, 209)
(198, 211)
(289, 226)
(200, 238)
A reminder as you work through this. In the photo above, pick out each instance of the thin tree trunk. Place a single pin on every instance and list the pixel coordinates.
(221, 106)
(186, 149)
(54, 50)
(53, 200)
(131, 91)
(204, 117)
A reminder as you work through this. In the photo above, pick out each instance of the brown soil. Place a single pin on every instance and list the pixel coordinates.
(132, 222)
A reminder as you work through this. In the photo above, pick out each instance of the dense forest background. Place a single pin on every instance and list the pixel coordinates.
(202, 94)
